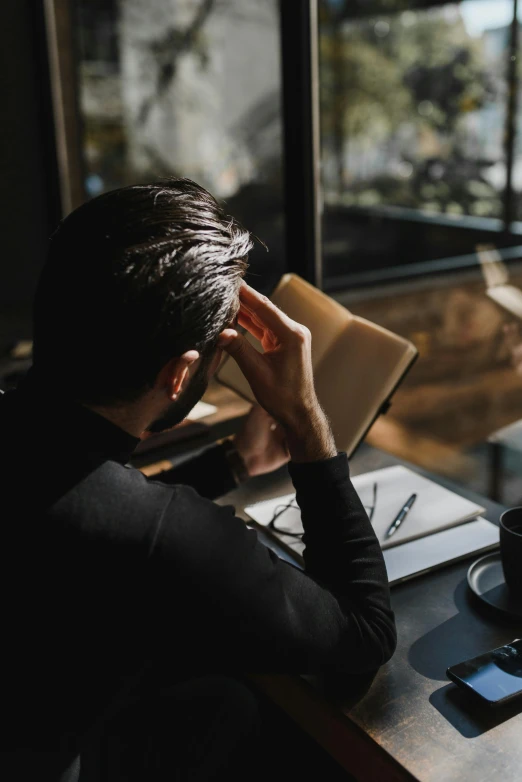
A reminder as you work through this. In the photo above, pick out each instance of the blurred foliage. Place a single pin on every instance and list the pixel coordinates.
(414, 73)
(361, 88)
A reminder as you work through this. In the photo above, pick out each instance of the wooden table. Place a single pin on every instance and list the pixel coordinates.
(412, 724)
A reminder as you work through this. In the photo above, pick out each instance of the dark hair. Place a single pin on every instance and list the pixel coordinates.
(133, 278)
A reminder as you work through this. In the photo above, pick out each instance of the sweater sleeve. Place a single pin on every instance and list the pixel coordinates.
(245, 609)
(341, 549)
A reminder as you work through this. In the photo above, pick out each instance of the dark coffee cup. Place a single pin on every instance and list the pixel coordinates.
(511, 549)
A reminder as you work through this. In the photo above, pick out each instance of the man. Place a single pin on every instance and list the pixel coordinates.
(117, 587)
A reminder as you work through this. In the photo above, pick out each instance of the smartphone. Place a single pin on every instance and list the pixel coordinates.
(496, 676)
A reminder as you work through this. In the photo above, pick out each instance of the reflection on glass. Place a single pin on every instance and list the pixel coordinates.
(465, 387)
(413, 106)
(186, 88)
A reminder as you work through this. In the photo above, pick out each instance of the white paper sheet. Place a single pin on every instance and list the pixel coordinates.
(425, 554)
(434, 510)
(441, 529)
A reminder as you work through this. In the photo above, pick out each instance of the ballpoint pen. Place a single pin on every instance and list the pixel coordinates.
(396, 523)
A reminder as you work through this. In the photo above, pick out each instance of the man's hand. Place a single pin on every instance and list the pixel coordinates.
(261, 443)
(281, 377)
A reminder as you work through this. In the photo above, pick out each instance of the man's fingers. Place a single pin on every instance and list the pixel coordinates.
(248, 312)
(248, 358)
(244, 320)
(266, 312)
(261, 327)
(262, 333)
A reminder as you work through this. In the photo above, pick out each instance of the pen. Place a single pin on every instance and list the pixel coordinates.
(396, 523)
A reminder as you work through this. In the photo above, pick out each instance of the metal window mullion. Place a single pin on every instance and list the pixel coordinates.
(64, 91)
(300, 79)
(512, 81)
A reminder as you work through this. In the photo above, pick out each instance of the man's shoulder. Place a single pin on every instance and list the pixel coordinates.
(113, 483)
(116, 504)
(113, 499)
(122, 489)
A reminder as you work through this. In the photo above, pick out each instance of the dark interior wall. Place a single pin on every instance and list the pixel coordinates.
(28, 204)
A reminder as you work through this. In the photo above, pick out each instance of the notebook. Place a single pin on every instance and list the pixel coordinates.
(441, 526)
(449, 546)
(357, 364)
(435, 509)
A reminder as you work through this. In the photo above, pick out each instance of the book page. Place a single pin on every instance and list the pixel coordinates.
(443, 529)
(357, 375)
(288, 518)
(425, 554)
(435, 509)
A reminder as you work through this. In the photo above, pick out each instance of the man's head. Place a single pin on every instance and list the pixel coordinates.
(134, 280)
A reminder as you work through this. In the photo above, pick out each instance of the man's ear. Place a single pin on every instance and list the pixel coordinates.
(174, 373)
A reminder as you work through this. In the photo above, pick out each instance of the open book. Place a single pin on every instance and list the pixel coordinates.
(496, 276)
(357, 364)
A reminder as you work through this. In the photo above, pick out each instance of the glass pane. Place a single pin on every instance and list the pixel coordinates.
(166, 89)
(517, 163)
(413, 110)
(413, 101)
(465, 388)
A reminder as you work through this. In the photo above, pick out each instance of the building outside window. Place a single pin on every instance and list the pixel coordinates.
(187, 88)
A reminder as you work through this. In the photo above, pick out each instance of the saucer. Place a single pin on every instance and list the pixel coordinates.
(486, 581)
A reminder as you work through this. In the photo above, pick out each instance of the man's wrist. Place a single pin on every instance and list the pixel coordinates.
(313, 441)
(235, 462)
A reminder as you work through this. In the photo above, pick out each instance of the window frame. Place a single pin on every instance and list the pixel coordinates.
(303, 199)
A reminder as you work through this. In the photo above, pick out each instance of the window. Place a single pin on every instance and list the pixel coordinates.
(414, 119)
(421, 140)
(187, 88)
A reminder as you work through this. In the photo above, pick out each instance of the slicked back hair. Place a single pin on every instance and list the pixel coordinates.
(133, 278)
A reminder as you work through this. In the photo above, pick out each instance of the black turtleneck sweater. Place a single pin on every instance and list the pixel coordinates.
(104, 572)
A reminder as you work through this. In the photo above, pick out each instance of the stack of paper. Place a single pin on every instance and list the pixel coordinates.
(440, 527)
(435, 508)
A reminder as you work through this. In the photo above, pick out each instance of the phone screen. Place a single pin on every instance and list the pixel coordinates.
(495, 676)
